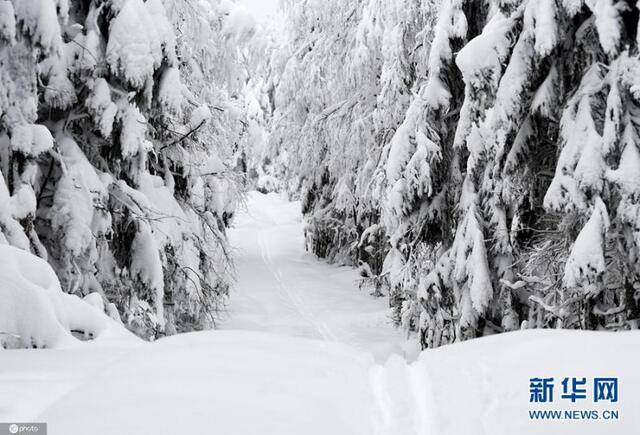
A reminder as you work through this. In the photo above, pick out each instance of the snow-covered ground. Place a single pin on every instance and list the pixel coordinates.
(285, 290)
(289, 360)
(245, 383)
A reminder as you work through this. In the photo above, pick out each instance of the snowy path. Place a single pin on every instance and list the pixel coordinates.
(285, 290)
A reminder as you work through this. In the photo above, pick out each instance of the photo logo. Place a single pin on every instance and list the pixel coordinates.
(589, 394)
(23, 428)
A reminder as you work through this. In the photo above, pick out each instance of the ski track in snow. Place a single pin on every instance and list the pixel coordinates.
(283, 289)
(310, 293)
(298, 281)
(293, 296)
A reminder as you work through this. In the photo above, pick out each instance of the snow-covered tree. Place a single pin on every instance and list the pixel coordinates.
(532, 63)
(116, 150)
(488, 155)
(357, 62)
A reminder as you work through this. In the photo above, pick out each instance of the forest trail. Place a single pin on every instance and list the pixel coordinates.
(282, 289)
(304, 351)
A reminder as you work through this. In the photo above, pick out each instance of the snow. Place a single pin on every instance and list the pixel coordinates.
(581, 138)
(95, 300)
(400, 151)
(31, 139)
(481, 290)
(7, 21)
(101, 107)
(608, 22)
(268, 183)
(411, 155)
(243, 383)
(199, 116)
(513, 86)
(302, 348)
(40, 19)
(452, 23)
(627, 175)
(303, 351)
(60, 92)
(589, 171)
(586, 262)
(261, 9)
(285, 290)
(612, 122)
(23, 202)
(136, 38)
(35, 312)
(471, 269)
(545, 95)
(170, 91)
(544, 19)
(572, 6)
(239, 25)
(488, 379)
(73, 217)
(519, 146)
(134, 130)
(484, 55)
(147, 266)
(13, 232)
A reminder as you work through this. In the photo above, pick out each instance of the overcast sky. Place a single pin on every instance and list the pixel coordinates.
(260, 8)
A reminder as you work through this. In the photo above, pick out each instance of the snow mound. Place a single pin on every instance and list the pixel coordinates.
(209, 382)
(36, 313)
(482, 385)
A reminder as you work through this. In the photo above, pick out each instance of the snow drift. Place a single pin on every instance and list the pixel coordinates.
(36, 313)
(211, 382)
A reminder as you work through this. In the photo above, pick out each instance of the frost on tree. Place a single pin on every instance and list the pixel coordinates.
(112, 169)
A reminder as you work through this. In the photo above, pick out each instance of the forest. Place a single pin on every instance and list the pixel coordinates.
(344, 217)
(476, 160)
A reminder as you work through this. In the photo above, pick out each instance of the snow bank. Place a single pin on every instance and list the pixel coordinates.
(36, 313)
(209, 382)
(482, 386)
(225, 382)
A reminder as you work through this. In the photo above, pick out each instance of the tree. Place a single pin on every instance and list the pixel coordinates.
(518, 76)
(490, 158)
(114, 170)
(358, 61)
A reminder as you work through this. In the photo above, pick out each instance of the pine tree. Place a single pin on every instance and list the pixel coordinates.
(113, 169)
(358, 61)
(499, 271)
(489, 156)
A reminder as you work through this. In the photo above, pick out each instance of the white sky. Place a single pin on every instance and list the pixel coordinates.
(260, 8)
